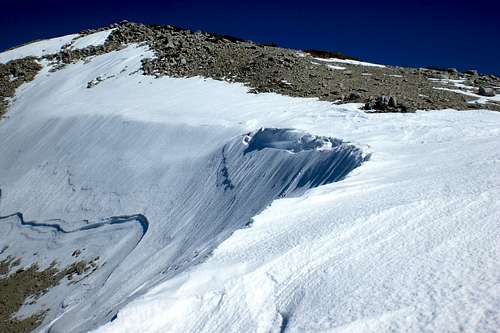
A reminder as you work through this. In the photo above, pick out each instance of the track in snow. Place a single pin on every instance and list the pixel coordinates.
(59, 228)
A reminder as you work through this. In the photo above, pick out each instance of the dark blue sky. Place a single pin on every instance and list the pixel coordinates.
(461, 34)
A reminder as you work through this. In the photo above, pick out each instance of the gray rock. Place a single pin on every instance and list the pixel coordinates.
(472, 72)
(386, 104)
(483, 91)
(353, 96)
(443, 75)
(170, 43)
(383, 100)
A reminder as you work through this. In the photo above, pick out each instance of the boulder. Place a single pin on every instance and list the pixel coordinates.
(489, 92)
(353, 96)
(169, 43)
(383, 101)
(443, 75)
(392, 102)
(385, 104)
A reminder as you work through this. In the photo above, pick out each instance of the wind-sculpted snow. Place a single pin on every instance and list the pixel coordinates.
(240, 183)
(287, 139)
(314, 160)
(194, 202)
(319, 160)
(100, 245)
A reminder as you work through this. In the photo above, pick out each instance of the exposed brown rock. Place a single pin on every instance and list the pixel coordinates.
(19, 285)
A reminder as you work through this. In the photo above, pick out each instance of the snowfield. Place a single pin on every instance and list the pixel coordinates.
(265, 213)
(55, 45)
(95, 39)
(37, 49)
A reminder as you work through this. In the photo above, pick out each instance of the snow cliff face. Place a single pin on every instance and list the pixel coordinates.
(237, 239)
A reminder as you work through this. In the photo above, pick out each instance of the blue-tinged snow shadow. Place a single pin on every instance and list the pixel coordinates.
(311, 160)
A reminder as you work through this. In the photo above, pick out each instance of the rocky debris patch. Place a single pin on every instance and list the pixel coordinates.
(97, 80)
(471, 72)
(81, 268)
(26, 284)
(268, 68)
(483, 91)
(385, 104)
(12, 75)
(325, 54)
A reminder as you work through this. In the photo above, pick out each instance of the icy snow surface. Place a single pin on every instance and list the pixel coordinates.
(406, 241)
(37, 49)
(95, 39)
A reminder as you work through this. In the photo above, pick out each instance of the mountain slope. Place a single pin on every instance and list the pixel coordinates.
(400, 235)
(265, 68)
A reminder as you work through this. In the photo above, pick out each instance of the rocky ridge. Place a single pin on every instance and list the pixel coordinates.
(268, 68)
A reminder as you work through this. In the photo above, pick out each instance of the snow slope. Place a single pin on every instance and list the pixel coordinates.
(42, 241)
(55, 45)
(406, 240)
(37, 49)
(95, 39)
